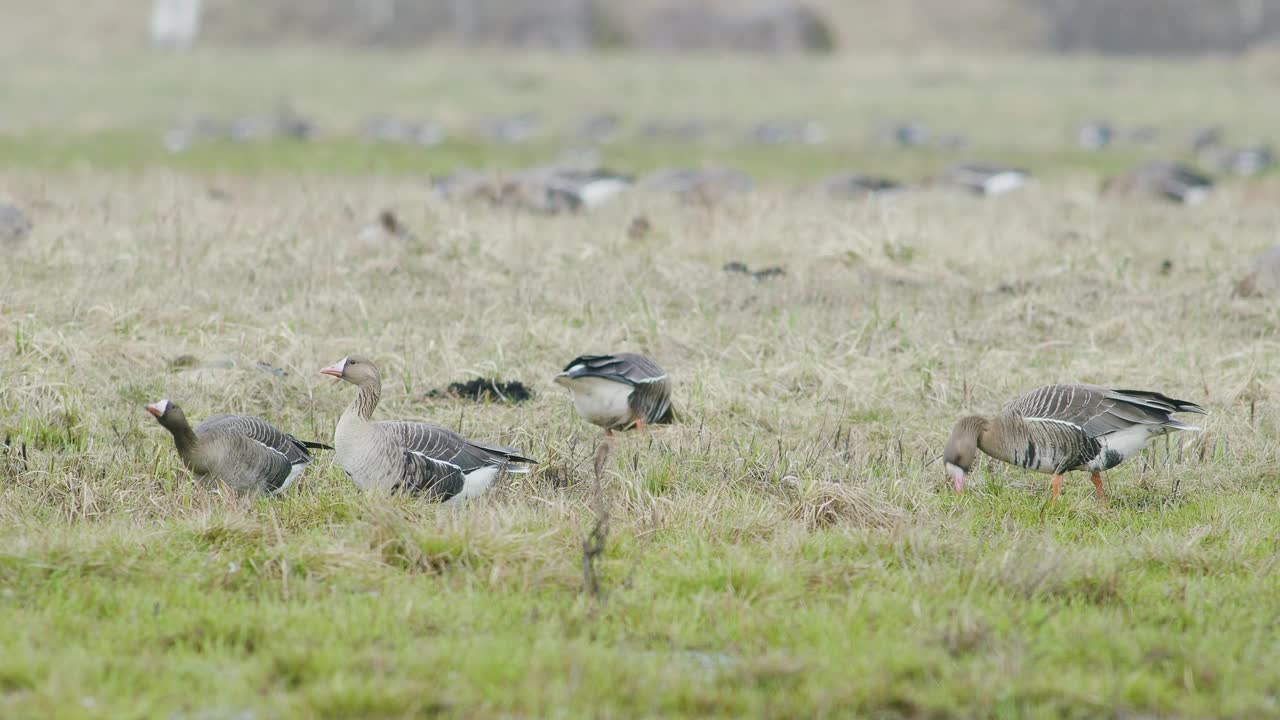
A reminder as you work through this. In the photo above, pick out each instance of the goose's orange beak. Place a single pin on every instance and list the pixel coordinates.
(335, 369)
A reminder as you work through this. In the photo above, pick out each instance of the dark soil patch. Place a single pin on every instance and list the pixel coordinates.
(485, 390)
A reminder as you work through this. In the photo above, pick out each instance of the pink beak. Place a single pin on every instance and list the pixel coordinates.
(335, 369)
(958, 483)
(157, 408)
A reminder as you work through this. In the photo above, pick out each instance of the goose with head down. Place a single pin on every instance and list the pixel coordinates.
(618, 392)
(247, 453)
(399, 456)
(1060, 428)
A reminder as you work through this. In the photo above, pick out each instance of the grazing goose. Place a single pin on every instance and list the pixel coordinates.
(983, 179)
(1245, 161)
(1060, 428)
(1161, 179)
(1095, 135)
(406, 456)
(246, 453)
(618, 392)
(387, 230)
(859, 186)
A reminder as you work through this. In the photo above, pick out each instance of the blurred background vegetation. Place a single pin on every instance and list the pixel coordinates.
(1103, 26)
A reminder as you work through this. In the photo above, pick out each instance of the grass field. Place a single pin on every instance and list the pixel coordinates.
(789, 550)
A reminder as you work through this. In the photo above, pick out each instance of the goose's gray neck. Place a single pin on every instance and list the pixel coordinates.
(367, 399)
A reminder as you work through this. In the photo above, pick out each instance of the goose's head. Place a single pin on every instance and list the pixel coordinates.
(354, 369)
(962, 449)
(168, 414)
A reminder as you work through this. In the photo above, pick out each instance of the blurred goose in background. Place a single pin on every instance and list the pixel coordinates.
(909, 134)
(1096, 135)
(1264, 275)
(385, 129)
(703, 185)
(14, 225)
(400, 456)
(387, 229)
(855, 186)
(783, 132)
(618, 392)
(1206, 137)
(598, 128)
(514, 129)
(1061, 428)
(687, 130)
(1161, 179)
(1244, 161)
(555, 190)
(983, 179)
(246, 453)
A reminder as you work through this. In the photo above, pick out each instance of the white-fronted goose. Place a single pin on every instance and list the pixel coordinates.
(386, 129)
(600, 127)
(699, 185)
(1096, 135)
(909, 133)
(413, 457)
(618, 392)
(1245, 161)
(1161, 179)
(1060, 428)
(785, 132)
(853, 185)
(1264, 275)
(388, 229)
(14, 225)
(514, 129)
(983, 178)
(247, 453)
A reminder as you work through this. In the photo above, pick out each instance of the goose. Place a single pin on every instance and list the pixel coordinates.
(600, 127)
(857, 186)
(396, 456)
(618, 392)
(1171, 181)
(983, 178)
(1245, 161)
(247, 453)
(909, 133)
(514, 129)
(1060, 428)
(1095, 135)
(386, 230)
(692, 184)
(14, 225)
(782, 132)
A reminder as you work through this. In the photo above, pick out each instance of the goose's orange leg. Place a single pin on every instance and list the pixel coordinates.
(640, 425)
(1097, 483)
(1057, 486)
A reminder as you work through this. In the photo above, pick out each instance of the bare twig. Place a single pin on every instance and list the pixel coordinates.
(593, 544)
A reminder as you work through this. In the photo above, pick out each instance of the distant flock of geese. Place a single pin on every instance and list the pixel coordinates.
(576, 181)
(1053, 430)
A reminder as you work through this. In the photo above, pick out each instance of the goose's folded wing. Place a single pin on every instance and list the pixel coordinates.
(427, 475)
(629, 368)
(448, 446)
(260, 431)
